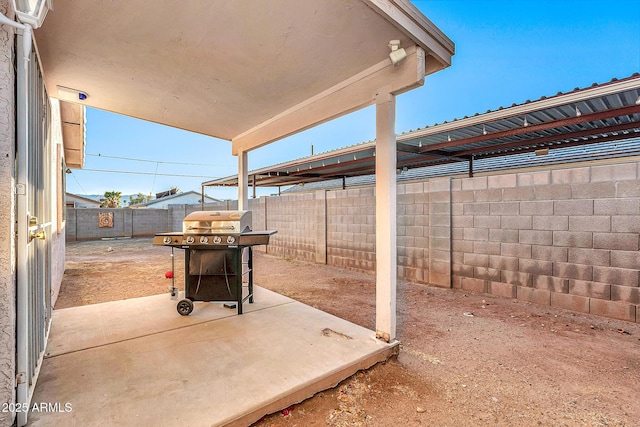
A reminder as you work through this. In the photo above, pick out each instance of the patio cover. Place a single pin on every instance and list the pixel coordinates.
(245, 71)
(250, 72)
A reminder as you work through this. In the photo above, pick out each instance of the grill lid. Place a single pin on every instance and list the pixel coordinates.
(207, 222)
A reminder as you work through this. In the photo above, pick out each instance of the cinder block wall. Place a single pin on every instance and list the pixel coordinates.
(292, 216)
(567, 238)
(82, 224)
(351, 222)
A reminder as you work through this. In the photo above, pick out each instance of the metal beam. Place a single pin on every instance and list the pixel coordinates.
(350, 95)
(585, 118)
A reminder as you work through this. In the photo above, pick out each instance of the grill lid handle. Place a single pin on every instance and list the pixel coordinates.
(191, 227)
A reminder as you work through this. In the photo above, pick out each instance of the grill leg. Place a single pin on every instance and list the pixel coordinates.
(250, 267)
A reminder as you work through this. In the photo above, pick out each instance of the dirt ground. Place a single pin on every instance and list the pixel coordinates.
(465, 359)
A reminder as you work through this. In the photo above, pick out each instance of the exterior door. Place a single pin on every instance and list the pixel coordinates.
(33, 190)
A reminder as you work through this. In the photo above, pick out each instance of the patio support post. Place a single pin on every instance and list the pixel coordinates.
(385, 216)
(243, 181)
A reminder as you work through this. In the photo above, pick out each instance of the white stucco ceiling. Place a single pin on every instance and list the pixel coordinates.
(224, 67)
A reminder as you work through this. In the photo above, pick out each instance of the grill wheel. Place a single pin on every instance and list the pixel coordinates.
(184, 307)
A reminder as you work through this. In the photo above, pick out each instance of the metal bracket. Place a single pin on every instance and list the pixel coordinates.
(21, 189)
(21, 378)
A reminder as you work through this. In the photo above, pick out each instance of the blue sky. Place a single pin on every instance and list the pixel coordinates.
(506, 52)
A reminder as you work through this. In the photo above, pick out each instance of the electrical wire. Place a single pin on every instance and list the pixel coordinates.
(151, 173)
(149, 161)
(78, 182)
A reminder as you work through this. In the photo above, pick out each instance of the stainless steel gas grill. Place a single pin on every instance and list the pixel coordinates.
(214, 244)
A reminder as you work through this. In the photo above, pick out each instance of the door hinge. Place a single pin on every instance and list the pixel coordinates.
(21, 378)
(21, 189)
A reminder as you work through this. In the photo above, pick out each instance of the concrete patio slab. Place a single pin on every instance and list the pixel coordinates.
(137, 362)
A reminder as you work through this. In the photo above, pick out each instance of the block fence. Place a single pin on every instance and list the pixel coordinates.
(568, 237)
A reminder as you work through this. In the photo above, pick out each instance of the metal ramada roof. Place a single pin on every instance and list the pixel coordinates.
(589, 118)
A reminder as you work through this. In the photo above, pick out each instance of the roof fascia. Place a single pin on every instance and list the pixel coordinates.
(408, 19)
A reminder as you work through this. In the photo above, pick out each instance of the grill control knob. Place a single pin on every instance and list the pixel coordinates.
(204, 240)
(217, 240)
(190, 240)
(231, 240)
(167, 240)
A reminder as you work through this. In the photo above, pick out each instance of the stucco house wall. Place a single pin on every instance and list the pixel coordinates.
(7, 229)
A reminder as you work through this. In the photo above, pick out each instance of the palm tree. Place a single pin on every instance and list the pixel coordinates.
(112, 199)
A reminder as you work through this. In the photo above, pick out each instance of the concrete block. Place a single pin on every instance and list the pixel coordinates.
(539, 207)
(463, 196)
(462, 245)
(518, 193)
(476, 234)
(516, 278)
(534, 178)
(440, 280)
(456, 282)
(571, 176)
(486, 221)
(573, 239)
(504, 208)
(475, 208)
(536, 237)
(616, 207)
(439, 197)
(625, 259)
(502, 181)
(625, 224)
(573, 207)
(625, 294)
(590, 223)
(504, 290)
(486, 273)
(557, 222)
(476, 260)
(477, 183)
(616, 276)
(614, 172)
(613, 309)
(444, 232)
(462, 270)
(628, 189)
(536, 266)
(414, 187)
(549, 253)
(491, 195)
(601, 257)
(440, 244)
(474, 285)
(437, 184)
(503, 262)
(464, 221)
(484, 247)
(573, 271)
(597, 190)
(550, 283)
(516, 222)
(570, 302)
(515, 249)
(533, 295)
(553, 192)
(439, 266)
(456, 184)
(590, 289)
(505, 236)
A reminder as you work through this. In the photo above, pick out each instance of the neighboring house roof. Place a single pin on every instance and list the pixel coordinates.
(600, 121)
(173, 199)
(86, 200)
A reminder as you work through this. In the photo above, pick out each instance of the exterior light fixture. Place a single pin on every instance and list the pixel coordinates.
(69, 94)
(397, 54)
(638, 101)
(32, 12)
